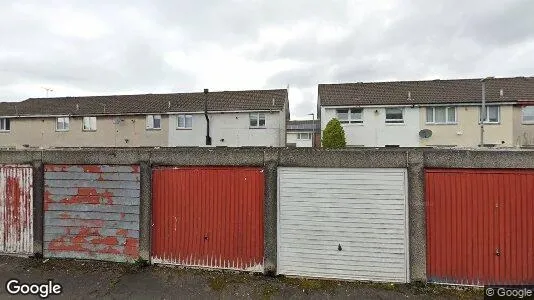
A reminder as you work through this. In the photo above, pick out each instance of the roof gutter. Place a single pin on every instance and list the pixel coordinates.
(137, 114)
(421, 105)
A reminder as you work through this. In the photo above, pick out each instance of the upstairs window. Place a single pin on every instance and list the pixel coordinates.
(394, 115)
(441, 115)
(257, 120)
(153, 122)
(5, 124)
(89, 124)
(185, 122)
(352, 115)
(62, 124)
(304, 136)
(492, 115)
(527, 113)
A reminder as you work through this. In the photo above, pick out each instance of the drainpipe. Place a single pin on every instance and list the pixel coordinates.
(208, 137)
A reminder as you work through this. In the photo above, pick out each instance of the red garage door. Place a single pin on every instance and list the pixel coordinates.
(208, 217)
(480, 227)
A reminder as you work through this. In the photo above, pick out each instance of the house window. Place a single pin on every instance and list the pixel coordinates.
(528, 114)
(352, 115)
(89, 124)
(62, 124)
(5, 124)
(153, 122)
(394, 115)
(441, 115)
(185, 122)
(492, 114)
(257, 120)
(304, 136)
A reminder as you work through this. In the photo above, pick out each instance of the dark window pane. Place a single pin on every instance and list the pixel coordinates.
(188, 121)
(493, 114)
(430, 115)
(451, 114)
(394, 115)
(528, 114)
(356, 114)
(440, 114)
(342, 114)
(253, 120)
(157, 122)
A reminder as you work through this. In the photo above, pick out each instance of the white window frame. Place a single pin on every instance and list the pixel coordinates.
(447, 122)
(487, 114)
(3, 124)
(184, 117)
(523, 114)
(258, 116)
(150, 122)
(306, 133)
(92, 124)
(349, 119)
(66, 120)
(394, 121)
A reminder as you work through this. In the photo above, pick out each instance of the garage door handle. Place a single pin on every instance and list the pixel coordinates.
(339, 247)
(497, 252)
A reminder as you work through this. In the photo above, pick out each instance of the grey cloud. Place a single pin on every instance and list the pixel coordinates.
(120, 61)
(394, 40)
(416, 40)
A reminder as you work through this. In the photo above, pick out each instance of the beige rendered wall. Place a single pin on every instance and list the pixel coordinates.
(523, 133)
(130, 131)
(466, 132)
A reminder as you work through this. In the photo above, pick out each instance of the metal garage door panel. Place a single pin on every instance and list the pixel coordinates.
(480, 229)
(208, 217)
(343, 223)
(16, 209)
(92, 212)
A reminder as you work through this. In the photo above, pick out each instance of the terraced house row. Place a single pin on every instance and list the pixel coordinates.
(442, 113)
(230, 118)
(433, 113)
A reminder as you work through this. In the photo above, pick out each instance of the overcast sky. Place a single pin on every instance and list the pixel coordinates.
(134, 46)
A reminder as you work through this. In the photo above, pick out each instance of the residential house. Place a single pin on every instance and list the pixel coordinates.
(230, 118)
(439, 113)
(303, 133)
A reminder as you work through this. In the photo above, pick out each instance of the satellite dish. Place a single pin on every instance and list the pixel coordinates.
(425, 133)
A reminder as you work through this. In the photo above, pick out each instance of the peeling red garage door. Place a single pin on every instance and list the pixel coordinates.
(208, 217)
(480, 226)
(16, 206)
(92, 212)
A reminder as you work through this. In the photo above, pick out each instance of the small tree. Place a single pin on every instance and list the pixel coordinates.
(334, 135)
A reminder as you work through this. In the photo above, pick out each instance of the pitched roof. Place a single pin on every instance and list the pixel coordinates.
(426, 92)
(303, 125)
(148, 103)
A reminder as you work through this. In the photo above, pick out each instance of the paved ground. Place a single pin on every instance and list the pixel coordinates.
(89, 279)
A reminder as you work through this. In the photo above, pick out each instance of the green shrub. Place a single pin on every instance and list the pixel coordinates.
(334, 135)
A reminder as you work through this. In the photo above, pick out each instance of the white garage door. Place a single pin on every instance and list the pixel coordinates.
(343, 223)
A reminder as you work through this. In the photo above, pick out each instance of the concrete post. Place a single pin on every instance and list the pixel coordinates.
(417, 215)
(38, 208)
(145, 209)
(270, 212)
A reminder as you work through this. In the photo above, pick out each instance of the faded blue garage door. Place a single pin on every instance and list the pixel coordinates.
(92, 212)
